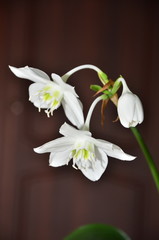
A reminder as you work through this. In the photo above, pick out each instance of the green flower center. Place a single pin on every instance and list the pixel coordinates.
(83, 155)
(51, 96)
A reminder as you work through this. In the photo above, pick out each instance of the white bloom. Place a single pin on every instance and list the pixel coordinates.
(47, 94)
(130, 110)
(89, 154)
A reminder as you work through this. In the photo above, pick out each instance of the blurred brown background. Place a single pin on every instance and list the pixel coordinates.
(120, 37)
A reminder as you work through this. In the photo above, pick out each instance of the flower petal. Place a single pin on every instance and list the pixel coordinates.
(69, 131)
(126, 108)
(139, 110)
(57, 79)
(112, 150)
(34, 88)
(29, 73)
(73, 110)
(98, 168)
(102, 144)
(58, 159)
(117, 152)
(57, 145)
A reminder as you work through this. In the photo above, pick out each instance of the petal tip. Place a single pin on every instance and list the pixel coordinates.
(132, 158)
(11, 68)
(37, 150)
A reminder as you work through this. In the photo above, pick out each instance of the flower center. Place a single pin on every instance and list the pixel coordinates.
(51, 96)
(83, 155)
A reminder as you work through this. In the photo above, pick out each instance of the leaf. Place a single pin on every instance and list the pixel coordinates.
(97, 232)
(95, 87)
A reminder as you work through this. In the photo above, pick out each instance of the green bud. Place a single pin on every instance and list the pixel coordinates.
(103, 77)
(116, 86)
(95, 88)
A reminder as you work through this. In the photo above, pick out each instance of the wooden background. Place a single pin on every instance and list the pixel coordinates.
(120, 37)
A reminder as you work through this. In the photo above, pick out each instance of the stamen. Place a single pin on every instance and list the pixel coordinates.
(48, 113)
(48, 97)
(83, 155)
(74, 167)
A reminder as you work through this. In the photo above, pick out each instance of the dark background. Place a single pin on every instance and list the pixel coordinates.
(120, 37)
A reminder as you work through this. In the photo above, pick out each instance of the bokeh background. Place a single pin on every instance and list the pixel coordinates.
(120, 37)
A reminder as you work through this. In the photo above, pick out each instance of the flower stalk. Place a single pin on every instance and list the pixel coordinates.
(149, 159)
(89, 115)
(102, 76)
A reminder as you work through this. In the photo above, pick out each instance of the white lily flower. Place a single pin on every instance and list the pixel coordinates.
(130, 109)
(47, 94)
(89, 155)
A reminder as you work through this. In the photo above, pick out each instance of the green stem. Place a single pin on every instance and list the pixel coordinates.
(149, 159)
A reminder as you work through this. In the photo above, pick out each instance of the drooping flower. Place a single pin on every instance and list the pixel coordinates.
(89, 155)
(130, 109)
(49, 94)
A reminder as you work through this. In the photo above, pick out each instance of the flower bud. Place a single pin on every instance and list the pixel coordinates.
(130, 110)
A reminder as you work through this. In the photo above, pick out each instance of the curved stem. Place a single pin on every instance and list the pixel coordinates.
(125, 86)
(85, 66)
(89, 114)
(149, 159)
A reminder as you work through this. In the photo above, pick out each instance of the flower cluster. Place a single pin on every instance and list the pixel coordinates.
(88, 154)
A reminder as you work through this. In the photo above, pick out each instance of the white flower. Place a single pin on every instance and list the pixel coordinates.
(89, 154)
(47, 94)
(130, 110)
